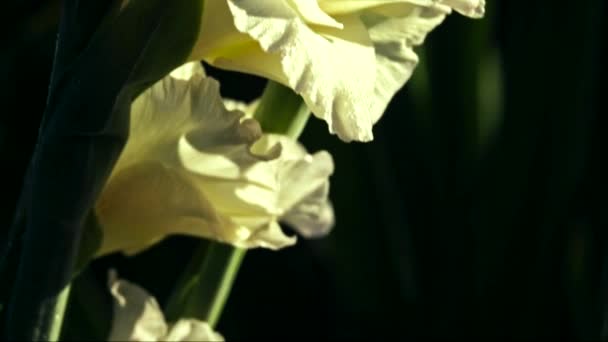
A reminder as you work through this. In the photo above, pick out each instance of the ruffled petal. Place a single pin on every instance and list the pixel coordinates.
(309, 211)
(149, 194)
(304, 188)
(242, 189)
(394, 39)
(332, 69)
(186, 103)
(137, 315)
(470, 8)
(304, 182)
(324, 52)
(292, 188)
(193, 330)
(192, 166)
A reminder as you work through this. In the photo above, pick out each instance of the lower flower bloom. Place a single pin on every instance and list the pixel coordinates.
(191, 166)
(138, 317)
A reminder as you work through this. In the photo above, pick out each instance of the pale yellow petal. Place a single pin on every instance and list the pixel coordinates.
(245, 191)
(311, 214)
(470, 8)
(313, 14)
(193, 166)
(137, 315)
(247, 108)
(150, 193)
(186, 71)
(303, 187)
(304, 182)
(148, 201)
(322, 50)
(182, 104)
(292, 188)
(394, 41)
(217, 37)
(193, 330)
(332, 69)
(341, 7)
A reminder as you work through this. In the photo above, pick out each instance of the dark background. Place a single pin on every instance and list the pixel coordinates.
(478, 210)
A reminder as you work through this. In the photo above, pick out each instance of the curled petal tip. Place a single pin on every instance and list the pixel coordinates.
(470, 8)
(250, 130)
(480, 10)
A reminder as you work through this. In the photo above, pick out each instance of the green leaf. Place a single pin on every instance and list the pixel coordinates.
(92, 236)
(85, 127)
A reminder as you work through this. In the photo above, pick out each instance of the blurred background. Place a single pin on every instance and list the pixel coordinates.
(480, 209)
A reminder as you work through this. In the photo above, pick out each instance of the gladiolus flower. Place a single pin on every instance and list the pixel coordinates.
(193, 167)
(138, 317)
(346, 58)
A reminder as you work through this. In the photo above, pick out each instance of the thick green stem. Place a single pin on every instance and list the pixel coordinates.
(205, 286)
(282, 111)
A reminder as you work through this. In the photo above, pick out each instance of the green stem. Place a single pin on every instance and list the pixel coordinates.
(217, 276)
(281, 111)
(185, 285)
(59, 312)
(205, 285)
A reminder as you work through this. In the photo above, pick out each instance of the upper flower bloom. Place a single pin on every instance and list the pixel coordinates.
(346, 58)
(138, 317)
(192, 166)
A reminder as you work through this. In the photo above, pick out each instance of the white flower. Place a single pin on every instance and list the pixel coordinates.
(138, 317)
(193, 167)
(346, 58)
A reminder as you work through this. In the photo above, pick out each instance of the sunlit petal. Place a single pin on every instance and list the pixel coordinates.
(346, 69)
(192, 166)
